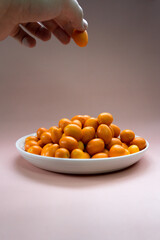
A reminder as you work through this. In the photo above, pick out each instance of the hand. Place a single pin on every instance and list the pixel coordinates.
(40, 18)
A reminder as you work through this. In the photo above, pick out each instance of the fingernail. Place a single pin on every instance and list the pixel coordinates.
(85, 24)
(25, 42)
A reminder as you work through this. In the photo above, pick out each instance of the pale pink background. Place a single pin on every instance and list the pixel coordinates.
(118, 72)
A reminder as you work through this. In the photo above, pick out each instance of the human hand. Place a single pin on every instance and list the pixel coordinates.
(40, 18)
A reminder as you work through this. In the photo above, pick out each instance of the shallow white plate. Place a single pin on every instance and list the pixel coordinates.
(79, 166)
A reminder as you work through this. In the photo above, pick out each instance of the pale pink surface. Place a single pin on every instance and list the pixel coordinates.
(117, 72)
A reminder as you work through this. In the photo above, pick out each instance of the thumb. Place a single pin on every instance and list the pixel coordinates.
(74, 13)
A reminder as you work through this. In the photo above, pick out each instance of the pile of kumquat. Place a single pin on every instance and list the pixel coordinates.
(84, 137)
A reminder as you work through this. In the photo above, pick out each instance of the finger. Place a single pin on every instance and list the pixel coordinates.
(57, 31)
(65, 25)
(38, 30)
(24, 38)
(75, 16)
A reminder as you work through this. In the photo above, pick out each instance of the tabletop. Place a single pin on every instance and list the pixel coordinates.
(38, 204)
(118, 72)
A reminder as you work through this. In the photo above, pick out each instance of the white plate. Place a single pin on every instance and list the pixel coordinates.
(79, 166)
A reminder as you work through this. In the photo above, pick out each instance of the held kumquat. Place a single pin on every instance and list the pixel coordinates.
(80, 38)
